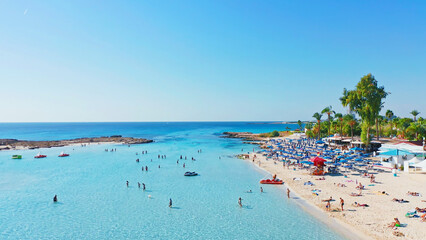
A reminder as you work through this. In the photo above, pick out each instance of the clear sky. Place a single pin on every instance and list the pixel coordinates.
(205, 60)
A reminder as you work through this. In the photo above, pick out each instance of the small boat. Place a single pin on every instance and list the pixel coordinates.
(271, 181)
(190, 174)
(63, 154)
(16, 156)
(40, 156)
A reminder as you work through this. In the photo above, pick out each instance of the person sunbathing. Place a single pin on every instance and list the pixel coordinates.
(396, 223)
(356, 194)
(416, 194)
(420, 210)
(322, 178)
(383, 193)
(399, 200)
(423, 218)
(361, 187)
(359, 204)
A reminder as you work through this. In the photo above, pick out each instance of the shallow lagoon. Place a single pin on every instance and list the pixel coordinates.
(94, 202)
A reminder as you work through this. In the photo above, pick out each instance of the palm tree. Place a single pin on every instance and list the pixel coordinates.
(351, 121)
(379, 121)
(300, 124)
(328, 110)
(414, 113)
(389, 115)
(339, 117)
(318, 117)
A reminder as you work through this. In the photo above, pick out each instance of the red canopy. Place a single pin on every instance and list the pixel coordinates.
(318, 161)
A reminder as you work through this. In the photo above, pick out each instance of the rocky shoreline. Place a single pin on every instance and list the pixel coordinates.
(11, 144)
(247, 137)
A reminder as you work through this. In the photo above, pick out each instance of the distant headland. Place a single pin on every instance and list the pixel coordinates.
(10, 144)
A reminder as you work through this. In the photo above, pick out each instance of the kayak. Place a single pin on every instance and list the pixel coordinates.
(190, 174)
(269, 181)
(17, 157)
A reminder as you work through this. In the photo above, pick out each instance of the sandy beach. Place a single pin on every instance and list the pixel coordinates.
(371, 221)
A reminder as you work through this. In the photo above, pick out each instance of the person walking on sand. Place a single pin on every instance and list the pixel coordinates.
(328, 206)
(240, 202)
(170, 203)
(342, 202)
(288, 192)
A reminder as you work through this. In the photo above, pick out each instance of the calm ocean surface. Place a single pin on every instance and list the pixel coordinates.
(94, 202)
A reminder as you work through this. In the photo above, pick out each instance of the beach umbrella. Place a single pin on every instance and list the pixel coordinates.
(357, 149)
(318, 161)
(359, 160)
(306, 162)
(319, 142)
(343, 161)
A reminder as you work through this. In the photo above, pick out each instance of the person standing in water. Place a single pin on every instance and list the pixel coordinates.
(288, 192)
(170, 203)
(143, 186)
(240, 202)
(55, 198)
(127, 183)
(261, 189)
(139, 185)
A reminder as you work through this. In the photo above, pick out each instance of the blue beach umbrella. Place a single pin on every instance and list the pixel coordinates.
(319, 142)
(343, 161)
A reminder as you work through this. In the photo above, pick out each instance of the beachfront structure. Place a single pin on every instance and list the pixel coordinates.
(337, 141)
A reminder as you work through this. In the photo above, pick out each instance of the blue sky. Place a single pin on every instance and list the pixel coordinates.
(205, 60)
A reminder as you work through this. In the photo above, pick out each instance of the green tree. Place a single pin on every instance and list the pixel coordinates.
(351, 121)
(367, 101)
(389, 115)
(339, 117)
(318, 117)
(275, 133)
(300, 125)
(414, 113)
(328, 110)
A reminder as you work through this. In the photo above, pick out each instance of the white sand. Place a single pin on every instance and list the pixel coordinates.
(371, 221)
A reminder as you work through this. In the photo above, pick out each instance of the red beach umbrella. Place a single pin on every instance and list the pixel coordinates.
(318, 161)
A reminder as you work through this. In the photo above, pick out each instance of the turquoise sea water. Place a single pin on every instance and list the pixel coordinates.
(94, 202)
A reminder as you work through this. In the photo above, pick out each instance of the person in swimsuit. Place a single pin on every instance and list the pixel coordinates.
(342, 202)
(55, 198)
(170, 203)
(240, 202)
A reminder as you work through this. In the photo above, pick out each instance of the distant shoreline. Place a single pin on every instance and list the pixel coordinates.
(14, 144)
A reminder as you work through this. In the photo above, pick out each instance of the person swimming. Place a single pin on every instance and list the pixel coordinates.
(240, 202)
(261, 189)
(55, 198)
(139, 185)
(170, 203)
